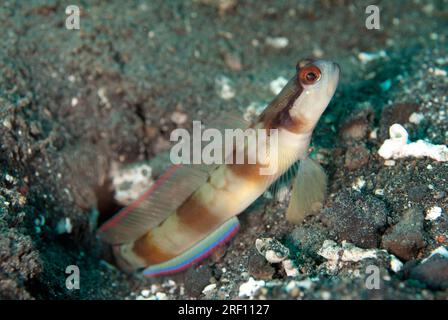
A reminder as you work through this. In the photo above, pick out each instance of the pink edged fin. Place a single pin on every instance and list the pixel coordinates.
(155, 205)
(199, 251)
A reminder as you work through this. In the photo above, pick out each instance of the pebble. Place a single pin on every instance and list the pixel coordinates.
(179, 117)
(9, 178)
(250, 288)
(438, 72)
(433, 213)
(74, 102)
(209, 288)
(359, 184)
(405, 239)
(64, 226)
(386, 85)
(233, 61)
(395, 264)
(225, 88)
(356, 157)
(346, 252)
(442, 251)
(356, 217)
(130, 182)
(396, 113)
(253, 111)
(366, 57)
(277, 85)
(7, 123)
(290, 269)
(355, 128)
(271, 249)
(196, 279)
(277, 42)
(433, 272)
(259, 267)
(326, 295)
(416, 117)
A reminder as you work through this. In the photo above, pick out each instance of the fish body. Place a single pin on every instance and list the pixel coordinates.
(207, 216)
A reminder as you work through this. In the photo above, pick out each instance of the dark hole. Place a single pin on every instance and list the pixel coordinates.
(106, 204)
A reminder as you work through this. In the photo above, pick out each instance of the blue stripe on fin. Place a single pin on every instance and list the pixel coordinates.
(198, 252)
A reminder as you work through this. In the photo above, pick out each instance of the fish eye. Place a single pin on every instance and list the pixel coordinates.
(309, 75)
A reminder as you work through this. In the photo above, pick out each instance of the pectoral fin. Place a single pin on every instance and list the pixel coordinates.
(308, 192)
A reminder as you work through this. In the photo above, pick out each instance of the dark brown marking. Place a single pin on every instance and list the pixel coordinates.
(196, 216)
(277, 115)
(148, 250)
(250, 171)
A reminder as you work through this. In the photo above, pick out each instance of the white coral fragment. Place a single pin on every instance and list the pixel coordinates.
(277, 85)
(440, 251)
(290, 269)
(366, 57)
(253, 111)
(250, 288)
(347, 252)
(130, 182)
(225, 88)
(64, 226)
(416, 117)
(395, 264)
(271, 249)
(398, 146)
(433, 213)
(277, 42)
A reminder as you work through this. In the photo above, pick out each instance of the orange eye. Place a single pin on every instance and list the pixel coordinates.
(309, 75)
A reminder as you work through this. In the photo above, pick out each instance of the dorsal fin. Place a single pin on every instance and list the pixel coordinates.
(155, 205)
(172, 188)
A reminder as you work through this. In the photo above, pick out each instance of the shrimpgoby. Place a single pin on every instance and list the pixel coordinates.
(191, 210)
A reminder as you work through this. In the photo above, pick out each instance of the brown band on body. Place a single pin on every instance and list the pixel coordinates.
(150, 251)
(196, 216)
(249, 171)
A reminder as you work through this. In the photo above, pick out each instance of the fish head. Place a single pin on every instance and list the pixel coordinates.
(317, 82)
(305, 97)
